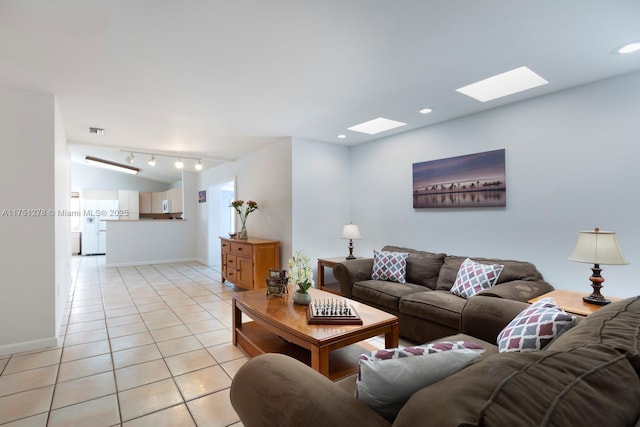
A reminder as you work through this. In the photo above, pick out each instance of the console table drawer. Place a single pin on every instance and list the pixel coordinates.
(241, 249)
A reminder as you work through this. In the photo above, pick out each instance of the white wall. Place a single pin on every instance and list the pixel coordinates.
(85, 177)
(62, 223)
(27, 246)
(320, 202)
(265, 177)
(571, 161)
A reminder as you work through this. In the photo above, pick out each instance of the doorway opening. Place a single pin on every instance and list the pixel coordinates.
(221, 218)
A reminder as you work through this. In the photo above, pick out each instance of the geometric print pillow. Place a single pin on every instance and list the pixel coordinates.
(535, 327)
(390, 266)
(474, 277)
(420, 350)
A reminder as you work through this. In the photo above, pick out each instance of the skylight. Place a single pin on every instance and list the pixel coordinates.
(375, 126)
(629, 48)
(508, 83)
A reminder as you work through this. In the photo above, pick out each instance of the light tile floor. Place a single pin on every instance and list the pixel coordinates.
(143, 346)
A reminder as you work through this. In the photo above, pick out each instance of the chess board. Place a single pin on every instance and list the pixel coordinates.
(332, 311)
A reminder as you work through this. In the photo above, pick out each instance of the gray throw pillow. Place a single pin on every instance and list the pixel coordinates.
(386, 385)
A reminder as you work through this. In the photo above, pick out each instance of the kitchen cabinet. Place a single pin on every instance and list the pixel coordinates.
(174, 195)
(145, 202)
(246, 263)
(99, 194)
(129, 204)
(156, 201)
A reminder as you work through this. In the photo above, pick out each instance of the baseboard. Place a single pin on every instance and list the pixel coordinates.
(148, 262)
(29, 346)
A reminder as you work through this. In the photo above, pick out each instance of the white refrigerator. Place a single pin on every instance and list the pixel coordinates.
(95, 213)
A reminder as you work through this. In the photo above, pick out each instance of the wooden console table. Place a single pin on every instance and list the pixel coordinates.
(246, 263)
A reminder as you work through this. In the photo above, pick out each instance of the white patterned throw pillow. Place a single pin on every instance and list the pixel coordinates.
(390, 266)
(474, 277)
(535, 327)
(388, 378)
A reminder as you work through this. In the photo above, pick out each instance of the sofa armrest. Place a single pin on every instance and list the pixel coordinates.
(279, 391)
(350, 271)
(518, 290)
(484, 317)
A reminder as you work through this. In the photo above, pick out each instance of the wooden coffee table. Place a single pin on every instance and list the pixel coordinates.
(280, 326)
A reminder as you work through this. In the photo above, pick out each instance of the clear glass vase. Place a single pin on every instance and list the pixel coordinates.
(243, 231)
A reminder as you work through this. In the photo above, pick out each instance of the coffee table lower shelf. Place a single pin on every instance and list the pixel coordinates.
(256, 340)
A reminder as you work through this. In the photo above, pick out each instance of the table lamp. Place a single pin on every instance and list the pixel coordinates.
(597, 247)
(351, 231)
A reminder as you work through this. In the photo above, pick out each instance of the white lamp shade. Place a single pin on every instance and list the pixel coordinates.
(351, 231)
(598, 247)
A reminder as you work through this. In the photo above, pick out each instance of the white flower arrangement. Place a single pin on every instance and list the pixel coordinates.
(301, 272)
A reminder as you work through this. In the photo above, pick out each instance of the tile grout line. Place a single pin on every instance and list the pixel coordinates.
(69, 306)
(190, 281)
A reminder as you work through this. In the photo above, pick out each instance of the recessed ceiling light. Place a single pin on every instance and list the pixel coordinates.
(342, 136)
(425, 110)
(629, 48)
(375, 126)
(97, 131)
(508, 83)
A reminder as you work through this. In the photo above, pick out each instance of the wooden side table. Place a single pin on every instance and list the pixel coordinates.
(571, 301)
(333, 287)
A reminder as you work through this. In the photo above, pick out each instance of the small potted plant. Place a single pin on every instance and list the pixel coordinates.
(301, 275)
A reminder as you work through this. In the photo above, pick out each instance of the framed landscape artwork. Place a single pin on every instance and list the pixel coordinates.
(474, 180)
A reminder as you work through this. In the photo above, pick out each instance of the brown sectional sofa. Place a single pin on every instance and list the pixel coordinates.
(424, 305)
(590, 375)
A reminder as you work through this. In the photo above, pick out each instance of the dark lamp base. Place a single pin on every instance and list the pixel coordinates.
(597, 301)
(351, 257)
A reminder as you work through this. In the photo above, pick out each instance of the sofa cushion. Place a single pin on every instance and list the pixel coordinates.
(390, 266)
(435, 306)
(513, 270)
(616, 324)
(385, 385)
(535, 327)
(381, 293)
(591, 385)
(277, 390)
(474, 277)
(423, 267)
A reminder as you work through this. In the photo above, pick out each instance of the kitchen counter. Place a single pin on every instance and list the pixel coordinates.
(149, 241)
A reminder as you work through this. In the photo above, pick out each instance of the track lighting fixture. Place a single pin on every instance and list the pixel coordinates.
(179, 163)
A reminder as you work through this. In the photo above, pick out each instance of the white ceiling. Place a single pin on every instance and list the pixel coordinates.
(217, 79)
